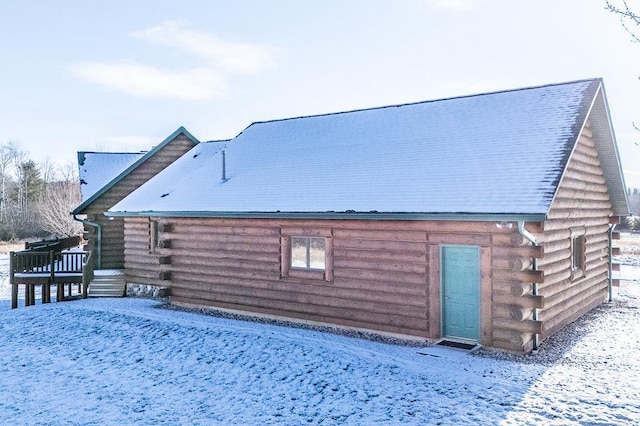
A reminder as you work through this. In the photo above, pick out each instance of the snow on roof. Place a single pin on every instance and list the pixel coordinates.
(99, 168)
(495, 153)
(103, 170)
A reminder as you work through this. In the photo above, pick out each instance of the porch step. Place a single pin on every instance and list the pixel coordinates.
(107, 283)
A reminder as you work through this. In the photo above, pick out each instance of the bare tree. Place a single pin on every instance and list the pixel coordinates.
(7, 157)
(48, 171)
(28, 206)
(629, 18)
(20, 160)
(59, 199)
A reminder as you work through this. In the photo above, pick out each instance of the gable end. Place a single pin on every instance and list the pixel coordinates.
(181, 130)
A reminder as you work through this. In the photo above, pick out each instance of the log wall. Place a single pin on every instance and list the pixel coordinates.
(113, 229)
(581, 203)
(384, 275)
(112, 241)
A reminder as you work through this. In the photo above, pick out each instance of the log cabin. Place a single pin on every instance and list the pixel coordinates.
(106, 178)
(485, 219)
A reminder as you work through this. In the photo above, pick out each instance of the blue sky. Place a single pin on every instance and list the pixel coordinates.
(123, 75)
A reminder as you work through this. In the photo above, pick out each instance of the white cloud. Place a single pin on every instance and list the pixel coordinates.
(145, 81)
(230, 56)
(221, 60)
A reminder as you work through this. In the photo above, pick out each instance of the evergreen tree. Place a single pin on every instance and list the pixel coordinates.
(29, 186)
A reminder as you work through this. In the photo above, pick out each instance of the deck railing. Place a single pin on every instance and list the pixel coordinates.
(33, 268)
(30, 261)
(58, 244)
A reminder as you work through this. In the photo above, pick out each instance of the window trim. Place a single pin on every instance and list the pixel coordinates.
(578, 247)
(288, 271)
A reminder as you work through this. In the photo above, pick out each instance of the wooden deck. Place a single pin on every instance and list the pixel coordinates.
(32, 269)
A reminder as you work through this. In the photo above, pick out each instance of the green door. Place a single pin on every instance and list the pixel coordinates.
(460, 292)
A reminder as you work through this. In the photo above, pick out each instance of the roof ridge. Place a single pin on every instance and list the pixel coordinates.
(424, 102)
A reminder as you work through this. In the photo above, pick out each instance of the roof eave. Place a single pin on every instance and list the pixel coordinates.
(469, 217)
(614, 174)
(149, 154)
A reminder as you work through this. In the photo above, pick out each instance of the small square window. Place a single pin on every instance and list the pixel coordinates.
(308, 253)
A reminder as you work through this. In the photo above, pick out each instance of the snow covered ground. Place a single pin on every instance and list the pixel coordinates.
(129, 361)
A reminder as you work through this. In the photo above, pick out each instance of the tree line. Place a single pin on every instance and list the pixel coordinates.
(36, 198)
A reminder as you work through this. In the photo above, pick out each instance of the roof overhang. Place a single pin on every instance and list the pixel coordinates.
(467, 217)
(602, 128)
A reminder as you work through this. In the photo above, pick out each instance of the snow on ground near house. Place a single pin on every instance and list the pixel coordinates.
(128, 361)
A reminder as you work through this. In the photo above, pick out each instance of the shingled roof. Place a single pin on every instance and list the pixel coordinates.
(481, 156)
(97, 169)
(99, 172)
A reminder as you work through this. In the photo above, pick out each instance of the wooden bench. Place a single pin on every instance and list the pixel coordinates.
(32, 268)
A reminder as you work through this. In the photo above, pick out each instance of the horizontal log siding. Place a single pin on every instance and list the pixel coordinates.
(112, 240)
(582, 201)
(113, 230)
(385, 273)
(236, 265)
